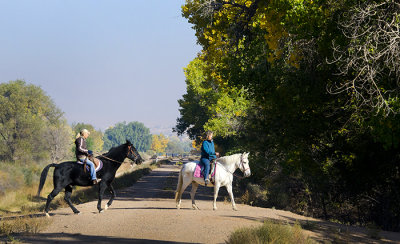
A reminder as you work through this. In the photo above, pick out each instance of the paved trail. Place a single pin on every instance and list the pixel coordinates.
(146, 213)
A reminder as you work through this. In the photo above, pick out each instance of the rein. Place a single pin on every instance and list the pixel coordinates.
(129, 151)
(110, 159)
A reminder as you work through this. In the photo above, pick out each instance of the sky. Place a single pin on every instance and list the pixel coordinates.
(102, 62)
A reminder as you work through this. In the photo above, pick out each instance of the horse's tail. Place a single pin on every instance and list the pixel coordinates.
(43, 177)
(179, 186)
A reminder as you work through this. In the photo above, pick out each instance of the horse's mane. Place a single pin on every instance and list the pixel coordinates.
(225, 159)
(114, 150)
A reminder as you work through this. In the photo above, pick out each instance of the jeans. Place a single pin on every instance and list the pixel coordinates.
(91, 167)
(206, 164)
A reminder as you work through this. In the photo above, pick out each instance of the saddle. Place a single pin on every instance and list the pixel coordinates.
(94, 160)
(97, 163)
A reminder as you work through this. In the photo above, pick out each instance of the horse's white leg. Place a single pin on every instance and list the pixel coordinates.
(229, 189)
(216, 189)
(185, 184)
(193, 193)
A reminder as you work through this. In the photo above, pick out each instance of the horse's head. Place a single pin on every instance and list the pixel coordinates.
(133, 154)
(244, 164)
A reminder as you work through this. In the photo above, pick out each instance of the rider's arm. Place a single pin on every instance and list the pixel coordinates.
(80, 147)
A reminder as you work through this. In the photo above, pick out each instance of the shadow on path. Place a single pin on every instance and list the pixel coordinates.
(79, 238)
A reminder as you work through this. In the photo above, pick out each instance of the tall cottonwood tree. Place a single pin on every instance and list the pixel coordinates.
(26, 113)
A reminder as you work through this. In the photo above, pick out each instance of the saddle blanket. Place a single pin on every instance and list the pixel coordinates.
(198, 172)
(99, 166)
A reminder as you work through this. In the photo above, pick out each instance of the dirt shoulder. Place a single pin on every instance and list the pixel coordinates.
(146, 213)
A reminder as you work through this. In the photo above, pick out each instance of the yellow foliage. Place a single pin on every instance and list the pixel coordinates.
(159, 143)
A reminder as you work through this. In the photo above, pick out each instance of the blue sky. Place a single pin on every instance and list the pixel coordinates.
(102, 62)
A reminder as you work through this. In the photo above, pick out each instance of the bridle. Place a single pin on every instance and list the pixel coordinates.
(130, 150)
(243, 167)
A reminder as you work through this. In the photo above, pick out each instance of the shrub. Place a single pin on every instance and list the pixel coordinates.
(269, 232)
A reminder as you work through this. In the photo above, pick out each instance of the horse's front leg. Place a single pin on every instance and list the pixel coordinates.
(113, 195)
(229, 189)
(216, 189)
(102, 188)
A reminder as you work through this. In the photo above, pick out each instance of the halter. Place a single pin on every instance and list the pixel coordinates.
(241, 162)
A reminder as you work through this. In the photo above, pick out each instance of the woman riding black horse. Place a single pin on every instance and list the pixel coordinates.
(68, 174)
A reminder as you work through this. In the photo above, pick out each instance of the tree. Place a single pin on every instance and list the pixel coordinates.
(25, 113)
(370, 57)
(159, 143)
(60, 137)
(309, 147)
(209, 104)
(135, 132)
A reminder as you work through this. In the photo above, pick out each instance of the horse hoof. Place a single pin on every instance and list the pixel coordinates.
(178, 207)
(235, 209)
(47, 215)
(106, 207)
(101, 211)
(215, 209)
(194, 207)
(77, 213)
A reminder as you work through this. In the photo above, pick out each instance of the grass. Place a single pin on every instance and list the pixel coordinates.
(23, 225)
(269, 232)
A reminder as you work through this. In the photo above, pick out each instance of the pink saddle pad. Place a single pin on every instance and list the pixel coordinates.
(199, 174)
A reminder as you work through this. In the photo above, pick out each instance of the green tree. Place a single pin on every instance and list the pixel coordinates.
(311, 145)
(25, 114)
(135, 132)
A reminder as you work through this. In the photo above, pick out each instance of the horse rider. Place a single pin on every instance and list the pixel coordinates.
(82, 153)
(207, 155)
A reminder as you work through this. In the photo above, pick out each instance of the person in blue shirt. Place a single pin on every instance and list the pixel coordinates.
(207, 155)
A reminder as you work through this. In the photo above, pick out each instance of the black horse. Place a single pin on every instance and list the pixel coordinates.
(68, 174)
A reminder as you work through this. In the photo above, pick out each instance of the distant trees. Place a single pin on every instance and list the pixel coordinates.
(159, 143)
(136, 132)
(31, 126)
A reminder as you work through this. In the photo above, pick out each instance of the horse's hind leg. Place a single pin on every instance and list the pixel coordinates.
(185, 184)
(50, 197)
(113, 195)
(67, 198)
(193, 193)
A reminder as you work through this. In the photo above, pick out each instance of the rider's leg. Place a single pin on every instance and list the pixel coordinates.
(206, 164)
(91, 168)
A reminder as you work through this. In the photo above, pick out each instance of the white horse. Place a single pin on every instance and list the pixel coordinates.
(223, 177)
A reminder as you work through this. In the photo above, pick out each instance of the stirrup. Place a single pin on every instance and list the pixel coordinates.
(96, 181)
